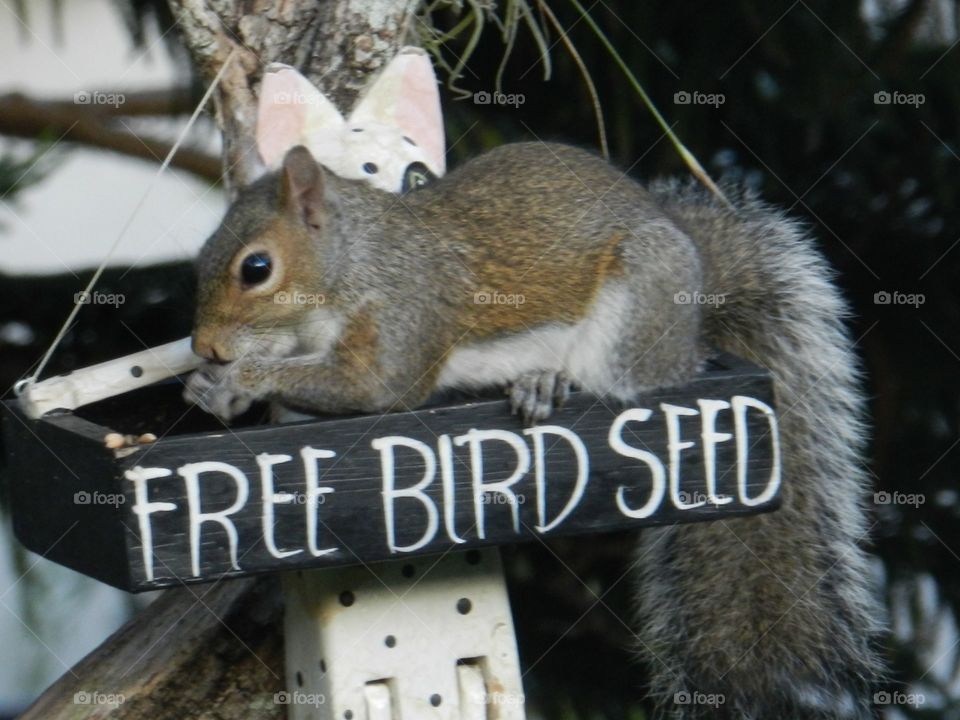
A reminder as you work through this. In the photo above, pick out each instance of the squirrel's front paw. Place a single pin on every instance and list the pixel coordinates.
(535, 395)
(217, 390)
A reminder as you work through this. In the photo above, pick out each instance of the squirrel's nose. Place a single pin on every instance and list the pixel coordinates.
(208, 348)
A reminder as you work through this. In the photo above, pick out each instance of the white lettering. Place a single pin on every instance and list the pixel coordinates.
(191, 475)
(675, 445)
(740, 405)
(657, 473)
(474, 438)
(710, 437)
(144, 509)
(583, 472)
(386, 445)
(269, 498)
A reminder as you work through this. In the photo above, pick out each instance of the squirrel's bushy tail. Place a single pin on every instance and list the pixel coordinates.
(770, 617)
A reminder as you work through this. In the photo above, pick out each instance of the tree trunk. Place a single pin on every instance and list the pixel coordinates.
(207, 652)
(337, 44)
(216, 651)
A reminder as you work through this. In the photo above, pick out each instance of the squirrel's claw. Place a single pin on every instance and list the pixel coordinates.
(213, 388)
(535, 395)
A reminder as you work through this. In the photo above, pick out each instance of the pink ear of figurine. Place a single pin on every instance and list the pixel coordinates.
(290, 108)
(406, 95)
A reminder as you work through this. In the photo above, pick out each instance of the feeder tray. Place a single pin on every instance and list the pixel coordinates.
(204, 502)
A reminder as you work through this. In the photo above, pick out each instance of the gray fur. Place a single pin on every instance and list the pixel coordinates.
(774, 612)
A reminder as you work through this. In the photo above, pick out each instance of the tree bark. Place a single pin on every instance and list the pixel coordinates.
(337, 44)
(207, 653)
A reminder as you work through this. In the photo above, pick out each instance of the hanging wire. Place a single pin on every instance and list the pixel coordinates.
(78, 303)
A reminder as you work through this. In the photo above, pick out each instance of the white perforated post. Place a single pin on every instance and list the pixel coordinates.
(420, 639)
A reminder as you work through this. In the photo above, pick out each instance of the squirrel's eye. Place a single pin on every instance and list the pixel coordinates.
(416, 175)
(255, 268)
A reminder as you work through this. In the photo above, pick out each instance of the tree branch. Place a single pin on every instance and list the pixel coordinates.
(21, 116)
(197, 653)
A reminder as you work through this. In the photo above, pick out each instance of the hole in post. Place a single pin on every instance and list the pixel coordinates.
(323, 666)
(299, 679)
(464, 606)
(347, 598)
(136, 371)
(473, 557)
(435, 700)
(390, 641)
(408, 570)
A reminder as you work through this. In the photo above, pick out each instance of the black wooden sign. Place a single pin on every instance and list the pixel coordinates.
(198, 507)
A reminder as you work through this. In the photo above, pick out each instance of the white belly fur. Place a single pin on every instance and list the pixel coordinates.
(583, 350)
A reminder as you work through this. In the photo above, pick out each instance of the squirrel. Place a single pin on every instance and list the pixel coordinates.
(329, 295)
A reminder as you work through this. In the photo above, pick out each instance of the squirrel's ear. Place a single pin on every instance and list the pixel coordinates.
(301, 185)
(291, 110)
(406, 95)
